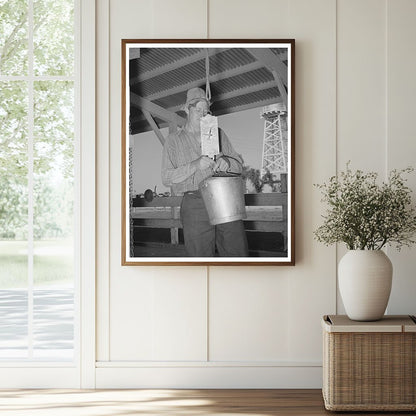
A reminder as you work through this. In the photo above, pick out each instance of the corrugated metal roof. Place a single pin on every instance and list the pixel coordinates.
(239, 79)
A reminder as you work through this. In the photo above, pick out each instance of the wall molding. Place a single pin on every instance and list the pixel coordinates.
(44, 377)
(103, 179)
(209, 376)
(204, 364)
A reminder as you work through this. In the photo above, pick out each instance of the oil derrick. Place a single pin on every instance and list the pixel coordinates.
(274, 140)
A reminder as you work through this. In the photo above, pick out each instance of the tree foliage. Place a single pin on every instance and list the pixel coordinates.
(13, 37)
(13, 208)
(52, 118)
(254, 176)
(53, 37)
(259, 181)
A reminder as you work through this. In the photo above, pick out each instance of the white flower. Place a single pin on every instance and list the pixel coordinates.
(365, 215)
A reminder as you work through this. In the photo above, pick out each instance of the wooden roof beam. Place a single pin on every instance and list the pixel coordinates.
(134, 53)
(154, 126)
(249, 106)
(271, 61)
(156, 110)
(281, 88)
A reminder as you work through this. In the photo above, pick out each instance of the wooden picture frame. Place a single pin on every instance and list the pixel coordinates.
(252, 91)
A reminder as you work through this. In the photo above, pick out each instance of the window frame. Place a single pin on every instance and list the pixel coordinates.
(81, 371)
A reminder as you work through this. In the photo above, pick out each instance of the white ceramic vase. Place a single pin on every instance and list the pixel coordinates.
(364, 278)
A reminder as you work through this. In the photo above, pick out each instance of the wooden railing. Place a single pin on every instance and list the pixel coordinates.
(157, 228)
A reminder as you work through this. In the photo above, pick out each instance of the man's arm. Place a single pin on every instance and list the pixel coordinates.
(172, 174)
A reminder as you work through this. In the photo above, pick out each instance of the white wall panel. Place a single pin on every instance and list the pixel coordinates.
(248, 19)
(179, 310)
(272, 327)
(151, 19)
(354, 101)
(131, 316)
(248, 314)
(361, 84)
(401, 142)
(180, 19)
(159, 316)
(311, 282)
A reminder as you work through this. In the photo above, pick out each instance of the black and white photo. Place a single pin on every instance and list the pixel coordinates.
(208, 152)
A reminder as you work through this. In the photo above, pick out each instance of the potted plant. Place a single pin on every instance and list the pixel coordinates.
(366, 216)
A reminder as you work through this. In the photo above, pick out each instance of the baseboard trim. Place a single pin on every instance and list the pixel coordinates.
(204, 364)
(210, 377)
(39, 378)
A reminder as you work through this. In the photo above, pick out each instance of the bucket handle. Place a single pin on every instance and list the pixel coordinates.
(227, 159)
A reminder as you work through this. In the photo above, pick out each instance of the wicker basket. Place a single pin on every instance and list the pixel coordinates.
(369, 366)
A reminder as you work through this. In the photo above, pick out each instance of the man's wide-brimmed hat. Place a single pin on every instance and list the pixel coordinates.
(194, 95)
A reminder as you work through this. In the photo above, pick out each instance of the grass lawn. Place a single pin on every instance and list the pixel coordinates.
(52, 263)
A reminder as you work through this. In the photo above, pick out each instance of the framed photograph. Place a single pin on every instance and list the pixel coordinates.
(208, 156)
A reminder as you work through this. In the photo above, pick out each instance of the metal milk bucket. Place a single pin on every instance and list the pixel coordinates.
(223, 198)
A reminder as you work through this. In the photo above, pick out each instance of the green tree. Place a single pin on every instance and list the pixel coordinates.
(52, 209)
(53, 117)
(13, 129)
(53, 35)
(13, 37)
(13, 209)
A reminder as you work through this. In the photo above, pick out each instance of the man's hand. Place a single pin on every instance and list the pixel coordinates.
(221, 165)
(203, 162)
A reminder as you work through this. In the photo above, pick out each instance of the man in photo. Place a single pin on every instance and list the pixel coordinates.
(184, 168)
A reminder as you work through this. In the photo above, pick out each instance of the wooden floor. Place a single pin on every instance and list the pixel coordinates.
(165, 402)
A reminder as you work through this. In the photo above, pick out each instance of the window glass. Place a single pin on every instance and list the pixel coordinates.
(14, 322)
(13, 163)
(13, 219)
(13, 37)
(53, 196)
(53, 37)
(37, 137)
